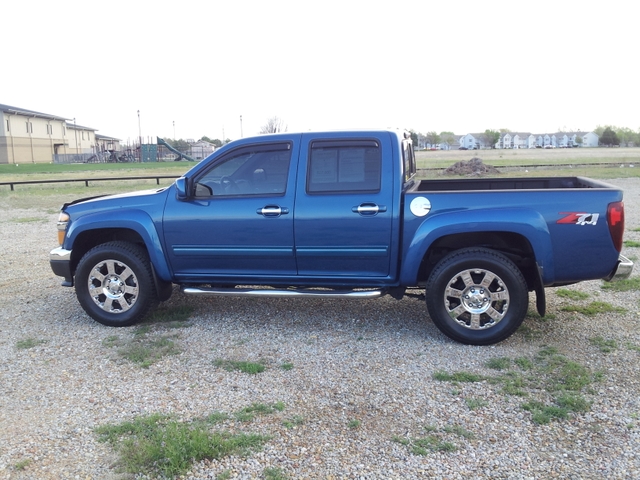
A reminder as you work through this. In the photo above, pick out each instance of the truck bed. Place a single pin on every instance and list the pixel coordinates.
(537, 183)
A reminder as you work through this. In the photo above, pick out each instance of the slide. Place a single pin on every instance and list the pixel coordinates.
(177, 152)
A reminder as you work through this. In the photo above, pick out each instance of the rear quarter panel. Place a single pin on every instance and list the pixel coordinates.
(566, 251)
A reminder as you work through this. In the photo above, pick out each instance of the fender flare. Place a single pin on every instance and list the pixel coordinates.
(136, 220)
(526, 222)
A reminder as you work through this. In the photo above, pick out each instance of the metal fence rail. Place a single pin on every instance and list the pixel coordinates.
(87, 180)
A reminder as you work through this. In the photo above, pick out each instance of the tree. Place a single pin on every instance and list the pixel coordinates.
(448, 137)
(626, 136)
(433, 138)
(609, 138)
(414, 138)
(491, 137)
(214, 141)
(273, 125)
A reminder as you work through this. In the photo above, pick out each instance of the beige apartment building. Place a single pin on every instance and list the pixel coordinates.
(27, 136)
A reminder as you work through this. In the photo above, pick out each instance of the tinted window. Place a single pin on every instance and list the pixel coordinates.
(344, 166)
(249, 171)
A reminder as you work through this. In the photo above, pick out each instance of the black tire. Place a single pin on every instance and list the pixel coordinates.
(114, 284)
(477, 296)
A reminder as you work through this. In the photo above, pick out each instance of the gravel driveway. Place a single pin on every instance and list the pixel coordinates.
(356, 379)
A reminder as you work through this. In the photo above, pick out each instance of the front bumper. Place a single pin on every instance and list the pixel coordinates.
(60, 261)
(623, 269)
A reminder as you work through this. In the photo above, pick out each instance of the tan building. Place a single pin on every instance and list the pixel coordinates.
(27, 136)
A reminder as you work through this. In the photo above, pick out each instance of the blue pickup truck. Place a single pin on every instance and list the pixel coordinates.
(341, 214)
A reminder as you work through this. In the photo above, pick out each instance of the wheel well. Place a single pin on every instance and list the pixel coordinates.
(514, 246)
(92, 238)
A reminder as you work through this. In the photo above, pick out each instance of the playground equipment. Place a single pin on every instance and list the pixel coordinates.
(177, 152)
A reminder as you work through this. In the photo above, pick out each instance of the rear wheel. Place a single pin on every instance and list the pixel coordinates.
(114, 284)
(477, 296)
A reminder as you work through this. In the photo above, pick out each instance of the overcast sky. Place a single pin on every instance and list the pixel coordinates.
(461, 66)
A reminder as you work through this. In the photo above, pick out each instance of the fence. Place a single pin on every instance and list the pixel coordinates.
(87, 180)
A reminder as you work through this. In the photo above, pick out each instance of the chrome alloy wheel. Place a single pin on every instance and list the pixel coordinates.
(476, 299)
(113, 286)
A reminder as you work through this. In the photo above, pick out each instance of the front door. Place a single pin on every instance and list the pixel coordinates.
(238, 220)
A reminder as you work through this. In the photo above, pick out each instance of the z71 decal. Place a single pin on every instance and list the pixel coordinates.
(579, 218)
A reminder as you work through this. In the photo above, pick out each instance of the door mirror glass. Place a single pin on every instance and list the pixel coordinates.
(181, 188)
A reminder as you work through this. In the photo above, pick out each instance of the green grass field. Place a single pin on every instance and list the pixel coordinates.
(618, 163)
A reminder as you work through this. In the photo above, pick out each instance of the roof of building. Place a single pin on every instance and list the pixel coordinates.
(29, 113)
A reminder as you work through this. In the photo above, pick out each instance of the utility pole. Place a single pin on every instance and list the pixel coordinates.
(240, 126)
(140, 138)
(174, 129)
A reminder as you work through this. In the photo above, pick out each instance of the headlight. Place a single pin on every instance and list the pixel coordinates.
(63, 221)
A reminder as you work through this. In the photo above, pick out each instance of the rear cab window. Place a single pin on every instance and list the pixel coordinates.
(341, 166)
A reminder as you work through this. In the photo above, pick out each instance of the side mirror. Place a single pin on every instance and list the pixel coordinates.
(181, 188)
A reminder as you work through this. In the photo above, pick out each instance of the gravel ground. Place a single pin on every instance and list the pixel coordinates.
(362, 375)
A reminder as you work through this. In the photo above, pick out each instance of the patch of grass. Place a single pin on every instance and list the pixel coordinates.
(171, 317)
(294, 421)
(605, 346)
(274, 473)
(22, 464)
(459, 430)
(524, 363)
(594, 308)
(161, 445)
(217, 417)
(457, 377)
(498, 363)
(286, 366)
(247, 414)
(624, 285)
(631, 244)
(549, 371)
(571, 294)
(353, 424)
(28, 220)
(560, 373)
(631, 346)
(251, 368)
(29, 343)
(425, 445)
(226, 475)
(543, 414)
(529, 333)
(475, 403)
(145, 351)
(514, 383)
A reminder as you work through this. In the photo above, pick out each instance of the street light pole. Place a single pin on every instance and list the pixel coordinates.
(174, 129)
(241, 126)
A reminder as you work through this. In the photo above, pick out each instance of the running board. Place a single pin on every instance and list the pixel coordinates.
(250, 292)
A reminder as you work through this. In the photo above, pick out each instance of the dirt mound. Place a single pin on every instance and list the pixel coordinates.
(471, 168)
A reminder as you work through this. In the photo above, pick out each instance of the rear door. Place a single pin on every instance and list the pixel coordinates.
(344, 209)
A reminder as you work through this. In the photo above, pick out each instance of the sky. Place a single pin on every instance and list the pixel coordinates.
(222, 68)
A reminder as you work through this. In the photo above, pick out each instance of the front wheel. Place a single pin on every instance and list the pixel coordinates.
(114, 284)
(477, 296)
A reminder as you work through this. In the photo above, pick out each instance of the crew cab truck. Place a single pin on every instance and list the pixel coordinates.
(341, 214)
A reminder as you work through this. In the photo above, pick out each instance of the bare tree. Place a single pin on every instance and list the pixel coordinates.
(274, 125)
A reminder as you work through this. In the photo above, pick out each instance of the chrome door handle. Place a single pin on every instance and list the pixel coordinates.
(368, 209)
(272, 211)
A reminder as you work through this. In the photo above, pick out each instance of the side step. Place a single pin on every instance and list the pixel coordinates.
(250, 292)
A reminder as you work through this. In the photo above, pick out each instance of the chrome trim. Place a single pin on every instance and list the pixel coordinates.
(59, 254)
(623, 269)
(250, 292)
